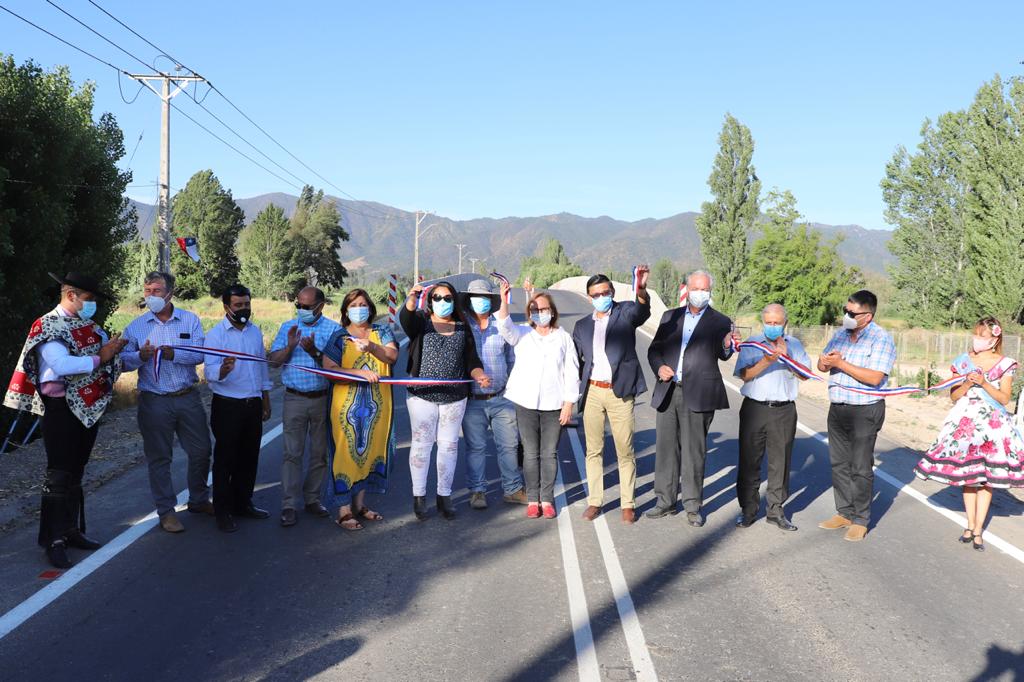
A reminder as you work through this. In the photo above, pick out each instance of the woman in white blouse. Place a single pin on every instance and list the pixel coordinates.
(544, 385)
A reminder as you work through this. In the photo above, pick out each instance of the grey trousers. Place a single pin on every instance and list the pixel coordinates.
(765, 429)
(539, 431)
(302, 416)
(852, 430)
(160, 419)
(680, 453)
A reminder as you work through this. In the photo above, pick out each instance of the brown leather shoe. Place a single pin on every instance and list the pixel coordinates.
(201, 508)
(628, 515)
(518, 497)
(288, 517)
(170, 523)
(591, 513)
(856, 532)
(317, 509)
(835, 523)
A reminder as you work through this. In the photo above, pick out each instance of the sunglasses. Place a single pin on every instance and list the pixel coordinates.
(853, 314)
(301, 306)
(438, 297)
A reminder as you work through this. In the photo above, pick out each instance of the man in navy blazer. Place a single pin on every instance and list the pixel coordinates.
(684, 355)
(611, 379)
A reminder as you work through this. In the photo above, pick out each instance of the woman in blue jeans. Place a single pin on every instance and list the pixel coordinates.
(544, 385)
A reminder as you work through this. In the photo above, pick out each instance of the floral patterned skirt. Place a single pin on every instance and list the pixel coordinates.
(978, 445)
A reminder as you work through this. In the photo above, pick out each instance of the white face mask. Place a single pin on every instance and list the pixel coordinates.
(849, 323)
(156, 304)
(699, 298)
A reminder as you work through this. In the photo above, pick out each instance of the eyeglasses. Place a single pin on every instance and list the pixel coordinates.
(301, 306)
(447, 298)
(599, 294)
(540, 310)
(853, 314)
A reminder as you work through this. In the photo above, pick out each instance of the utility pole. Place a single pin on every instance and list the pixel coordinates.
(164, 203)
(461, 247)
(472, 262)
(420, 217)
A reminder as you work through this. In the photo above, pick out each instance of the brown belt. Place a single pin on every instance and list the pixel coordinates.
(175, 394)
(311, 394)
(601, 384)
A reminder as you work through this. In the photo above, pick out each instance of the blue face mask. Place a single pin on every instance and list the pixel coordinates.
(541, 319)
(306, 316)
(443, 308)
(602, 304)
(481, 306)
(773, 331)
(88, 310)
(359, 313)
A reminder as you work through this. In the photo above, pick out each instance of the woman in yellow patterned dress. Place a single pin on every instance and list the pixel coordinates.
(361, 414)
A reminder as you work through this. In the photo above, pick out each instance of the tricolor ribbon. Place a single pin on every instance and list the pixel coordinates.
(504, 280)
(338, 375)
(636, 282)
(796, 367)
(421, 302)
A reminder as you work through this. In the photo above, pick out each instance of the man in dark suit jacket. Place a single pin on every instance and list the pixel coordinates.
(611, 378)
(684, 356)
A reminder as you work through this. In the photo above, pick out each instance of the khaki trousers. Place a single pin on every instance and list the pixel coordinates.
(602, 403)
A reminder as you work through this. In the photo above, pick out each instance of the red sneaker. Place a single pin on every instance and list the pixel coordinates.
(549, 510)
(533, 511)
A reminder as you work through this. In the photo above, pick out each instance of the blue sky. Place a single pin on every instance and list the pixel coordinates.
(528, 108)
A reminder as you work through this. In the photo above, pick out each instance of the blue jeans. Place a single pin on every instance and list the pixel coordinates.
(500, 415)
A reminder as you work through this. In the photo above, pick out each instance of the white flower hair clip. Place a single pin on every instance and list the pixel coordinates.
(997, 330)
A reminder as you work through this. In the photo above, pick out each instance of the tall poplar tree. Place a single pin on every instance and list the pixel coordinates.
(204, 209)
(262, 253)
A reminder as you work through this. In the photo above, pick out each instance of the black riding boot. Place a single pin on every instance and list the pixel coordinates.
(76, 537)
(56, 516)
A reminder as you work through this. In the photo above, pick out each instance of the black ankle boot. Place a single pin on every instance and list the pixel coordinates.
(57, 553)
(419, 507)
(444, 505)
(80, 540)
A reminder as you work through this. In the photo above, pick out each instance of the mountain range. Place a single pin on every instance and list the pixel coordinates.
(381, 239)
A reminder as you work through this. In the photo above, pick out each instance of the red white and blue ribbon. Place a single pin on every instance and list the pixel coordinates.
(421, 302)
(504, 280)
(333, 374)
(190, 246)
(796, 367)
(636, 282)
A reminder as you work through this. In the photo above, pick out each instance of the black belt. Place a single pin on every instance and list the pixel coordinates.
(217, 396)
(311, 394)
(483, 396)
(772, 403)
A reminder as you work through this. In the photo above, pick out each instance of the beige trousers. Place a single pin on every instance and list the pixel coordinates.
(602, 403)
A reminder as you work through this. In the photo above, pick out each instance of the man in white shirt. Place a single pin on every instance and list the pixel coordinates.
(241, 402)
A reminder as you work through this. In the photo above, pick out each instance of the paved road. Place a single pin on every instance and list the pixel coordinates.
(493, 595)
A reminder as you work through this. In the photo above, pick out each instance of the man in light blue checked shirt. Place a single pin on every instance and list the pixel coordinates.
(860, 355)
(301, 341)
(169, 405)
(488, 408)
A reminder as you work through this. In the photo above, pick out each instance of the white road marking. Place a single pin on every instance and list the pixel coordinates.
(643, 666)
(41, 599)
(583, 637)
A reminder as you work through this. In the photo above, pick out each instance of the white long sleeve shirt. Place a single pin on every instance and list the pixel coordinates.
(546, 373)
(57, 362)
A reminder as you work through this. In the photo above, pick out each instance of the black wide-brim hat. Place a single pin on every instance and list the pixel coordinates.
(81, 281)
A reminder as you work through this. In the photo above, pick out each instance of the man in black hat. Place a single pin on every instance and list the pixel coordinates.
(66, 371)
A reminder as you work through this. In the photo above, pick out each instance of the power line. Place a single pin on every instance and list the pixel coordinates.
(75, 47)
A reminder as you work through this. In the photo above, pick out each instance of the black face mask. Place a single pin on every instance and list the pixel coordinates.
(241, 316)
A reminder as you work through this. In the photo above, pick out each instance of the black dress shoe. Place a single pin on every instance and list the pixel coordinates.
(419, 507)
(444, 505)
(253, 512)
(660, 512)
(695, 519)
(744, 521)
(79, 540)
(226, 523)
(782, 522)
(58, 555)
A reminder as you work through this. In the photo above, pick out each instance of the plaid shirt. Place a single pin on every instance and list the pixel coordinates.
(296, 379)
(183, 328)
(874, 349)
(496, 355)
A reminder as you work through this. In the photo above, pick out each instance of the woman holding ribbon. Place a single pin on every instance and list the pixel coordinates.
(441, 346)
(978, 448)
(360, 431)
(544, 384)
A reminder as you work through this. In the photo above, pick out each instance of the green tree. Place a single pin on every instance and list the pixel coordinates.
(142, 257)
(263, 252)
(62, 204)
(994, 171)
(665, 279)
(314, 237)
(726, 220)
(925, 197)
(550, 266)
(789, 265)
(204, 209)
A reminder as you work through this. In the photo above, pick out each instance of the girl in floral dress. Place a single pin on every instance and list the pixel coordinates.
(978, 447)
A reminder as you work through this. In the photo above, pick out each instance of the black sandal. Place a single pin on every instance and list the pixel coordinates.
(979, 546)
(967, 537)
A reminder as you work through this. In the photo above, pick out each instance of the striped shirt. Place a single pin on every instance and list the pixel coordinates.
(874, 349)
(296, 379)
(183, 328)
(248, 379)
(496, 355)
